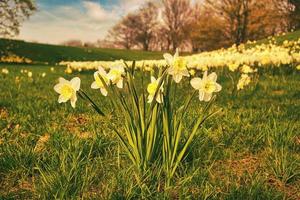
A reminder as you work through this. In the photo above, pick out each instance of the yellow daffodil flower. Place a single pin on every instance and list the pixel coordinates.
(247, 69)
(177, 65)
(243, 81)
(68, 70)
(67, 90)
(206, 86)
(116, 75)
(5, 71)
(29, 74)
(151, 89)
(97, 84)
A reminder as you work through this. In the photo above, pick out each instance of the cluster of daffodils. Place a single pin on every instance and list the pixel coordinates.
(115, 76)
(27, 72)
(263, 55)
(154, 131)
(247, 73)
(14, 59)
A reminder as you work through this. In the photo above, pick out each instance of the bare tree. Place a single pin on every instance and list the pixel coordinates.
(177, 18)
(147, 23)
(12, 14)
(247, 19)
(295, 13)
(136, 28)
(124, 32)
(207, 30)
(290, 9)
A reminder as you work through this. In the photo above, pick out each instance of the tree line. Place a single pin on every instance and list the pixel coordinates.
(206, 25)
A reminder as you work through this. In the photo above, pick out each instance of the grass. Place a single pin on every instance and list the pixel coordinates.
(52, 54)
(51, 151)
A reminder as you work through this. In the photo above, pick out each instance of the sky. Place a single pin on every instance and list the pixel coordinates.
(57, 21)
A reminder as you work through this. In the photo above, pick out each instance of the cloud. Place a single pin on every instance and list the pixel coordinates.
(86, 20)
(97, 12)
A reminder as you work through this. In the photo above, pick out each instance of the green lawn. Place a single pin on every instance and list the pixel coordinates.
(251, 150)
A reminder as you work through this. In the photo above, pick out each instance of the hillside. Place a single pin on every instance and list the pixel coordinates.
(280, 39)
(56, 53)
(45, 53)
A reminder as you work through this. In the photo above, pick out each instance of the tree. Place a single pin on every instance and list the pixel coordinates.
(207, 30)
(177, 19)
(12, 14)
(146, 24)
(136, 28)
(247, 19)
(124, 32)
(294, 14)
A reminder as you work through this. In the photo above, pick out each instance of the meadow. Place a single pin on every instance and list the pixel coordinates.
(249, 150)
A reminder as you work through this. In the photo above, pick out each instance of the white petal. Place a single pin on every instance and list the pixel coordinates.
(57, 87)
(213, 76)
(177, 78)
(101, 70)
(153, 79)
(62, 80)
(201, 95)
(103, 91)
(207, 96)
(96, 75)
(171, 70)
(95, 85)
(150, 98)
(186, 73)
(75, 83)
(169, 58)
(218, 87)
(159, 98)
(73, 100)
(196, 83)
(120, 84)
(62, 99)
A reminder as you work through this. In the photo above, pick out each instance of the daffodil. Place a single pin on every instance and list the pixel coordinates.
(67, 90)
(68, 70)
(206, 86)
(177, 65)
(243, 81)
(151, 89)
(192, 72)
(298, 67)
(233, 66)
(5, 71)
(116, 75)
(29, 74)
(247, 69)
(97, 84)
